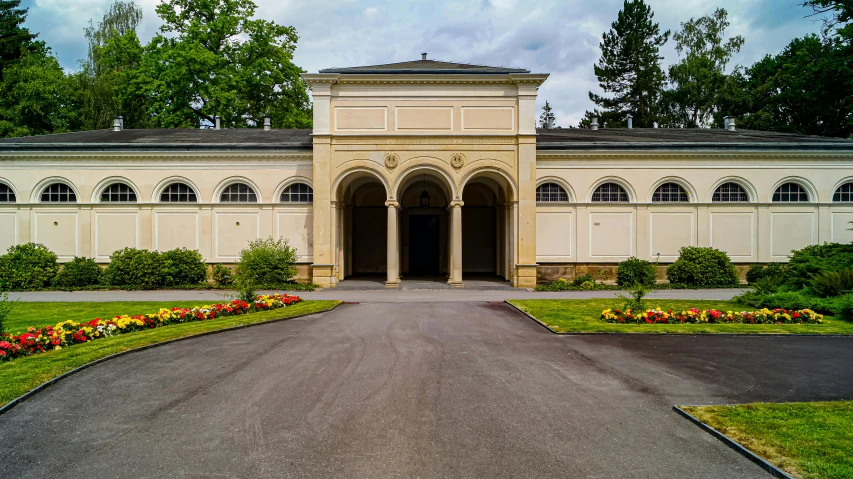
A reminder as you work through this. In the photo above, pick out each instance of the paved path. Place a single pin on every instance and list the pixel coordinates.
(381, 296)
(415, 390)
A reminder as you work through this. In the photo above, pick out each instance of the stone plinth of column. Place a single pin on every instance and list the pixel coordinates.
(321, 275)
(526, 274)
(393, 263)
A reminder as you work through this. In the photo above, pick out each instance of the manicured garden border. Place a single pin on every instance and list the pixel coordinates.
(650, 333)
(14, 402)
(767, 466)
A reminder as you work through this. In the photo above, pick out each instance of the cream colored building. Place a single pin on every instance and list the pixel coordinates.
(428, 168)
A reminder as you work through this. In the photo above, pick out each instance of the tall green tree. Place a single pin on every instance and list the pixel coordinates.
(629, 68)
(699, 77)
(212, 58)
(15, 40)
(547, 118)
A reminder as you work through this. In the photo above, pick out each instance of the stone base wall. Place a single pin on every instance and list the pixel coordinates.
(546, 273)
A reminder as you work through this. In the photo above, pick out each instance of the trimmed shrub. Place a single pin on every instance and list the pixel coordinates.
(634, 271)
(134, 268)
(266, 263)
(815, 259)
(700, 267)
(182, 266)
(776, 272)
(78, 273)
(26, 267)
(222, 276)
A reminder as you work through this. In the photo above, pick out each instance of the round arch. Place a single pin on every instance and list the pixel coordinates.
(35, 197)
(355, 173)
(403, 180)
(487, 171)
(742, 182)
(155, 198)
(632, 195)
(806, 184)
(11, 187)
(563, 184)
(837, 185)
(691, 192)
(217, 192)
(103, 184)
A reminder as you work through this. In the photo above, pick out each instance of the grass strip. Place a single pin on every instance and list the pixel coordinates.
(583, 316)
(812, 440)
(23, 374)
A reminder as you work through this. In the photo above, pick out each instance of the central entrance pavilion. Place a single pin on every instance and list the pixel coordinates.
(424, 169)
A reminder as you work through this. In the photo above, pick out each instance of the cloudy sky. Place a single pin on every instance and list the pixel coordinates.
(559, 37)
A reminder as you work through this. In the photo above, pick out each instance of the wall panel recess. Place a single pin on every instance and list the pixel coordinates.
(234, 231)
(553, 235)
(114, 231)
(174, 229)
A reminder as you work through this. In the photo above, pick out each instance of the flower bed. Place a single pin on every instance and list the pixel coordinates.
(68, 333)
(693, 315)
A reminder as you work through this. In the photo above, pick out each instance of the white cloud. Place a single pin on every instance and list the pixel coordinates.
(560, 37)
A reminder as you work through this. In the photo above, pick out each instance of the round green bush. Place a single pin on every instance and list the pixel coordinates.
(183, 266)
(581, 279)
(78, 273)
(222, 276)
(26, 267)
(134, 268)
(266, 262)
(636, 271)
(702, 267)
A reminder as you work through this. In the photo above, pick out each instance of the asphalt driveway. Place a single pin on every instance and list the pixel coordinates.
(412, 390)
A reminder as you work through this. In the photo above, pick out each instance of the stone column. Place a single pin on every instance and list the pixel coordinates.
(341, 266)
(393, 267)
(456, 244)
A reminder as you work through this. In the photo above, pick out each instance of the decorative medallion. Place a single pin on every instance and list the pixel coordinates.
(457, 160)
(391, 161)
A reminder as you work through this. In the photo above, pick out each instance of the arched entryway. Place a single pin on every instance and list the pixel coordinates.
(488, 226)
(424, 221)
(361, 227)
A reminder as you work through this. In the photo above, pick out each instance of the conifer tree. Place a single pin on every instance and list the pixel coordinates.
(629, 68)
(546, 120)
(15, 40)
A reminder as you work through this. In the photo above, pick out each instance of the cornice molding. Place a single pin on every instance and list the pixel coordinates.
(425, 140)
(213, 156)
(693, 155)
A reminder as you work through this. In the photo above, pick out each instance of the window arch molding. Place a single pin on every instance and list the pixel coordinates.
(220, 188)
(688, 188)
(43, 184)
(562, 183)
(841, 183)
(746, 185)
(158, 190)
(112, 180)
(291, 181)
(632, 196)
(8, 184)
(804, 183)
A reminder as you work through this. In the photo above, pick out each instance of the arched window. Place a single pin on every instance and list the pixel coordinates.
(58, 193)
(790, 192)
(118, 193)
(844, 193)
(238, 193)
(551, 193)
(670, 193)
(298, 193)
(178, 193)
(610, 193)
(730, 193)
(6, 194)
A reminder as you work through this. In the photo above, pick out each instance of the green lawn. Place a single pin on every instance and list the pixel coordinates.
(582, 316)
(809, 440)
(19, 376)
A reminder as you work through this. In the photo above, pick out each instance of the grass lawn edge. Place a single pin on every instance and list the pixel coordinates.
(14, 402)
(661, 333)
(760, 461)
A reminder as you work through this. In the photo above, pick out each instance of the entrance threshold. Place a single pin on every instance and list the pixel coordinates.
(423, 283)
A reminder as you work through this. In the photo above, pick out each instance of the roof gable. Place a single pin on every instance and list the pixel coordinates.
(425, 67)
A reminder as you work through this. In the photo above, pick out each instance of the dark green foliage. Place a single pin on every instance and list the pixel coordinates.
(26, 267)
(222, 276)
(629, 67)
(843, 307)
(137, 268)
(812, 260)
(581, 279)
(15, 40)
(760, 271)
(78, 273)
(636, 271)
(832, 283)
(182, 266)
(267, 263)
(794, 300)
(702, 267)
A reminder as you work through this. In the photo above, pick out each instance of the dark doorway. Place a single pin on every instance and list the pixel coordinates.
(424, 245)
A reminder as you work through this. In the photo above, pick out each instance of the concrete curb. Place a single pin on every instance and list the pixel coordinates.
(770, 468)
(653, 333)
(14, 402)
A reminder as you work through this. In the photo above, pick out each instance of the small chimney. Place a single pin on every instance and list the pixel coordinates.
(423, 56)
(118, 123)
(729, 123)
(267, 124)
(593, 124)
(122, 121)
(216, 123)
(630, 121)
